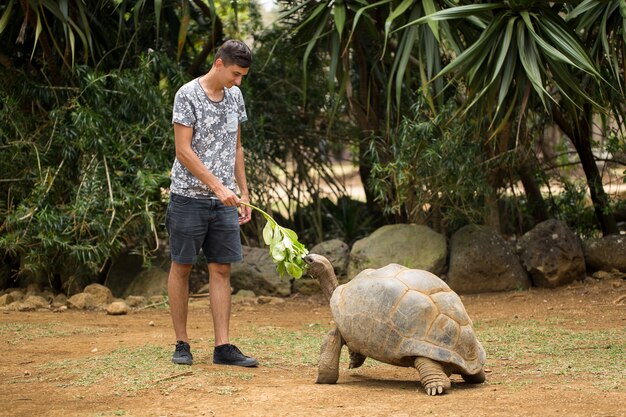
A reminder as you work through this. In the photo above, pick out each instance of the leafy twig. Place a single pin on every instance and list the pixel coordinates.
(285, 250)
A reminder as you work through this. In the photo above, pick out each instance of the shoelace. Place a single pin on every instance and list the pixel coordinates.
(180, 347)
(235, 349)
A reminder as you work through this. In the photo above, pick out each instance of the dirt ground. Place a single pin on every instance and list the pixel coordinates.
(75, 363)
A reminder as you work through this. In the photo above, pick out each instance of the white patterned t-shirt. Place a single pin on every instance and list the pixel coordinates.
(214, 140)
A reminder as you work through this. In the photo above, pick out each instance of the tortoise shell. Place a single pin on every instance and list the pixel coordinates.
(394, 314)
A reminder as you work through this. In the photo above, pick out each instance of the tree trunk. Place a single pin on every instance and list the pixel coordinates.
(364, 106)
(536, 204)
(580, 134)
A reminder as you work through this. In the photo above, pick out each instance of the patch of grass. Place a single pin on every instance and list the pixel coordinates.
(279, 347)
(128, 369)
(16, 333)
(535, 348)
(285, 348)
(243, 376)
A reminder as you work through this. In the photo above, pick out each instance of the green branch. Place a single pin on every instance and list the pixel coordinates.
(285, 249)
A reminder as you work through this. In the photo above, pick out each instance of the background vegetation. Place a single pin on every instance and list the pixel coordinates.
(497, 112)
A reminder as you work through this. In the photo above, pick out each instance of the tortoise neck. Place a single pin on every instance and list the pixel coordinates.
(328, 283)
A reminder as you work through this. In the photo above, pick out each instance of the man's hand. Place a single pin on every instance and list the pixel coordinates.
(227, 197)
(245, 212)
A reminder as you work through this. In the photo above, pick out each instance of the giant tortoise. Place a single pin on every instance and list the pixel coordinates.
(400, 316)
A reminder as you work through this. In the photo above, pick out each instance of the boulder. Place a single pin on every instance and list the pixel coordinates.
(149, 282)
(16, 294)
(257, 272)
(307, 286)
(6, 299)
(59, 300)
(117, 308)
(136, 301)
(337, 252)
(36, 301)
(20, 306)
(101, 295)
(124, 269)
(606, 253)
(411, 245)
(482, 261)
(82, 301)
(552, 254)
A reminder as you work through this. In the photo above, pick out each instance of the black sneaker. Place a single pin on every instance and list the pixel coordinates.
(230, 355)
(182, 354)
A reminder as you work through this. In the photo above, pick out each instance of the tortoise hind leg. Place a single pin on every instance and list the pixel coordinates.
(478, 378)
(328, 368)
(432, 376)
(356, 360)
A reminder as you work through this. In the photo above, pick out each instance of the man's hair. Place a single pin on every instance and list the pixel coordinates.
(235, 52)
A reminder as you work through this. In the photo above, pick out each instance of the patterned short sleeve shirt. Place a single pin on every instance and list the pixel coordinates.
(214, 140)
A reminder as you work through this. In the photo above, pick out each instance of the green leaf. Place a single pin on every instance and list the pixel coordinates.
(293, 270)
(339, 12)
(278, 251)
(5, 17)
(459, 12)
(267, 233)
(285, 249)
(184, 27)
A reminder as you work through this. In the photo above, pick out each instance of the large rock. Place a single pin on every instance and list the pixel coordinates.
(338, 253)
(124, 269)
(150, 282)
(606, 254)
(482, 261)
(257, 272)
(552, 254)
(101, 295)
(82, 301)
(6, 299)
(117, 308)
(411, 245)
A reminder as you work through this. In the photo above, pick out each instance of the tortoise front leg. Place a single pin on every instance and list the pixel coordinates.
(433, 378)
(356, 360)
(478, 378)
(328, 368)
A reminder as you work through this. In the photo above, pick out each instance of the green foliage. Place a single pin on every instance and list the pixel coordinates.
(85, 167)
(285, 249)
(346, 219)
(434, 172)
(288, 143)
(571, 205)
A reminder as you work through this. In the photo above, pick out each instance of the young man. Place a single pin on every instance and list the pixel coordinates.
(203, 209)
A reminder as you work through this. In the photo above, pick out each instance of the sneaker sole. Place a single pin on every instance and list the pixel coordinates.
(182, 361)
(247, 364)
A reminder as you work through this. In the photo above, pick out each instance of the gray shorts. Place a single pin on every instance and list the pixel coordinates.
(195, 224)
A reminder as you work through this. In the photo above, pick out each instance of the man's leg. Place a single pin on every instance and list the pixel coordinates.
(219, 295)
(219, 288)
(178, 291)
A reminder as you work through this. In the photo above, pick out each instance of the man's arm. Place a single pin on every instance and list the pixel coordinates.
(187, 157)
(240, 178)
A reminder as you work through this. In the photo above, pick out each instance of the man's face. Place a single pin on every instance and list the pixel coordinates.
(232, 74)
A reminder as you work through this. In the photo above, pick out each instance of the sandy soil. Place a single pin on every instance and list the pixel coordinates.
(45, 353)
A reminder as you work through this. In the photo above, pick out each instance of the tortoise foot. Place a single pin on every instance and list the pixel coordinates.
(478, 378)
(356, 360)
(327, 377)
(432, 376)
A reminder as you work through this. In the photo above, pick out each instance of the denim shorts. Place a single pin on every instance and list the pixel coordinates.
(195, 224)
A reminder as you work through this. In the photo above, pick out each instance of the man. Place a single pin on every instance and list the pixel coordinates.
(203, 210)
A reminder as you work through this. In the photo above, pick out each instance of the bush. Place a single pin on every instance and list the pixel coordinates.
(85, 166)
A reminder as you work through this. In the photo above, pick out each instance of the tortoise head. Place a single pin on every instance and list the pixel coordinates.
(322, 269)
